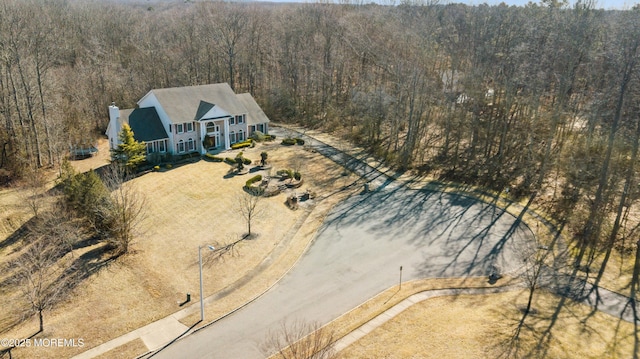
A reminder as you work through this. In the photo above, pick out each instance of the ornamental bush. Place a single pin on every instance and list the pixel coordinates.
(285, 173)
(258, 136)
(240, 157)
(240, 163)
(288, 141)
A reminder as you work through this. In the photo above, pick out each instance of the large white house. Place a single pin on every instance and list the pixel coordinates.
(189, 119)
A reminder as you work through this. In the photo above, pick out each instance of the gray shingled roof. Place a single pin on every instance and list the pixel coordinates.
(203, 108)
(145, 124)
(182, 104)
(255, 114)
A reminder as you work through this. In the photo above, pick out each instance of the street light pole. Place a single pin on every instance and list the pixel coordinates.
(201, 291)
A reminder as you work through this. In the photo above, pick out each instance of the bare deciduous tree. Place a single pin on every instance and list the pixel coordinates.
(249, 207)
(34, 193)
(125, 210)
(43, 270)
(58, 225)
(300, 340)
(39, 272)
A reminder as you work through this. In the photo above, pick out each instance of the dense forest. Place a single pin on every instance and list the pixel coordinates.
(542, 100)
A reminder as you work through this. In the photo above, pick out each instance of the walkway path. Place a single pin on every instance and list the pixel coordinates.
(390, 313)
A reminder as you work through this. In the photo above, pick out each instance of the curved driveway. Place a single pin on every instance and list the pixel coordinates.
(357, 254)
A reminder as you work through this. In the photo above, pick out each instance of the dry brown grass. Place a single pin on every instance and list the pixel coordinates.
(100, 159)
(187, 206)
(130, 350)
(479, 326)
(350, 321)
(192, 205)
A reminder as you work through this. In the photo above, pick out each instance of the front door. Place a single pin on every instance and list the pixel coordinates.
(212, 136)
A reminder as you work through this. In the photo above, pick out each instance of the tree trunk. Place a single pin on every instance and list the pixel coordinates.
(629, 180)
(41, 321)
(593, 226)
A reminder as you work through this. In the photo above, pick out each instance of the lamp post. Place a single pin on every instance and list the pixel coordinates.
(212, 248)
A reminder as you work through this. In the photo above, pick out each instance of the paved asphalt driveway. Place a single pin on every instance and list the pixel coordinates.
(358, 253)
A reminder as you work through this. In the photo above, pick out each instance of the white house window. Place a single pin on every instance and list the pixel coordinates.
(212, 127)
(179, 128)
(189, 126)
(232, 137)
(180, 146)
(161, 146)
(240, 136)
(150, 148)
(190, 145)
(232, 121)
(240, 119)
(252, 129)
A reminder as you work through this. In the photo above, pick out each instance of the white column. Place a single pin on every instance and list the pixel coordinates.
(203, 129)
(226, 134)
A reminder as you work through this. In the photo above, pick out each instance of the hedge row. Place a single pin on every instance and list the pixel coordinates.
(289, 173)
(259, 136)
(292, 141)
(234, 161)
(254, 179)
(245, 160)
(242, 144)
(214, 158)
